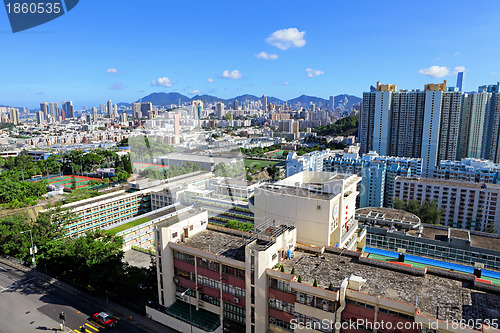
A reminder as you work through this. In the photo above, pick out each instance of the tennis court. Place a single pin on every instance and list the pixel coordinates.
(66, 181)
(421, 262)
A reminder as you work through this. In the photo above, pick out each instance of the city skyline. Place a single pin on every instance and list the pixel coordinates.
(280, 51)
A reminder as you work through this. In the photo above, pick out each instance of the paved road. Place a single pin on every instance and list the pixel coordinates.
(28, 304)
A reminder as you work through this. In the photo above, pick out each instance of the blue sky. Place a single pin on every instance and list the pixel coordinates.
(119, 50)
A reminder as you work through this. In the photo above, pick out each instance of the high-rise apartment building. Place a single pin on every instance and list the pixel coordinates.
(44, 108)
(411, 123)
(110, 108)
(236, 105)
(219, 110)
(14, 116)
(54, 111)
(69, 109)
(136, 110)
(145, 108)
(264, 103)
(40, 118)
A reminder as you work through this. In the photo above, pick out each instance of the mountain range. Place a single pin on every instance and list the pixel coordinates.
(165, 99)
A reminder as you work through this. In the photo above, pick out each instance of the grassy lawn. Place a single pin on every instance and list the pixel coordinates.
(129, 225)
(259, 163)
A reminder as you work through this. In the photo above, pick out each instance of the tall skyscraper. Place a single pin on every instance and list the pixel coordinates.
(480, 130)
(94, 114)
(54, 111)
(460, 81)
(197, 109)
(332, 102)
(411, 124)
(235, 105)
(14, 116)
(145, 108)
(177, 123)
(40, 118)
(219, 110)
(136, 110)
(44, 108)
(264, 103)
(69, 109)
(110, 108)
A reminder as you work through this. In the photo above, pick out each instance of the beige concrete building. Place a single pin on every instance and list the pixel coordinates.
(320, 205)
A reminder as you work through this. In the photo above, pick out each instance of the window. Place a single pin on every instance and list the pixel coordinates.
(184, 274)
(208, 282)
(236, 272)
(183, 257)
(208, 264)
(280, 285)
(174, 235)
(209, 299)
(233, 290)
(234, 312)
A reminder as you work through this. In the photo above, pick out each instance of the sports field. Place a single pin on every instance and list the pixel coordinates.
(81, 181)
(421, 262)
(147, 166)
(274, 153)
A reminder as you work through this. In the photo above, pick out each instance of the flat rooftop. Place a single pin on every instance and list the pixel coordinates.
(455, 301)
(480, 240)
(218, 243)
(297, 191)
(176, 218)
(450, 183)
(388, 213)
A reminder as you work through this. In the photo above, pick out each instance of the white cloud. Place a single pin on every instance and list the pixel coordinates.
(112, 71)
(235, 75)
(435, 71)
(266, 56)
(459, 69)
(456, 53)
(313, 72)
(117, 85)
(287, 38)
(210, 80)
(162, 81)
(195, 91)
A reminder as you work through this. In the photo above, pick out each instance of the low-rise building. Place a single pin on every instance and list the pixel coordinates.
(218, 279)
(392, 229)
(466, 205)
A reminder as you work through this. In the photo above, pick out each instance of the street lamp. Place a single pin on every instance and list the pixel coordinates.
(182, 295)
(32, 248)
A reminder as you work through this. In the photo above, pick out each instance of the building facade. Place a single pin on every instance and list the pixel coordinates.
(466, 205)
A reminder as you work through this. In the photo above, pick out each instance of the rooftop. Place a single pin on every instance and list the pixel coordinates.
(450, 183)
(455, 301)
(179, 217)
(310, 193)
(478, 239)
(219, 243)
(389, 213)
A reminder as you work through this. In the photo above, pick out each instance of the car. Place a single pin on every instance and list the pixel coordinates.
(105, 319)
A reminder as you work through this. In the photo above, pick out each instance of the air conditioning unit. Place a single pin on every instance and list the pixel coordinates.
(236, 300)
(176, 279)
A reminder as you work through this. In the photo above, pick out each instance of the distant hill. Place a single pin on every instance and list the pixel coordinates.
(206, 99)
(348, 100)
(304, 100)
(162, 98)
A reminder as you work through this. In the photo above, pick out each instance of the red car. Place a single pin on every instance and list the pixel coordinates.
(105, 319)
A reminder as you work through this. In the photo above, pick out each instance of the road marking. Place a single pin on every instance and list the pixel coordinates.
(3, 269)
(96, 323)
(9, 277)
(91, 327)
(27, 280)
(3, 289)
